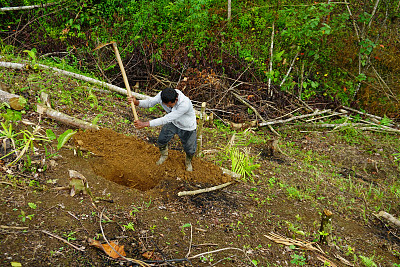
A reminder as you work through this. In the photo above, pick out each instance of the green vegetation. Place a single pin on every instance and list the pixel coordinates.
(333, 50)
(318, 54)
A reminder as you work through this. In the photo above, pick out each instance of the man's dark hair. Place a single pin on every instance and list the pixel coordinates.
(168, 95)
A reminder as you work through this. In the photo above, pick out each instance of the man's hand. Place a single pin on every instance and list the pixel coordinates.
(132, 99)
(141, 124)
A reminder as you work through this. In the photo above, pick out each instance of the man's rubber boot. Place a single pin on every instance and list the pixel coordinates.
(164, 155)
(188, 163)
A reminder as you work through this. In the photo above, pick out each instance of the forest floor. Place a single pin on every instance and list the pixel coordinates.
(129, 200)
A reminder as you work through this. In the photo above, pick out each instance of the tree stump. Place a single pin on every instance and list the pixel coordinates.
(325, 231)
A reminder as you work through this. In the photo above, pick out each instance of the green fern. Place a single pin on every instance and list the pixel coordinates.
(242, 163)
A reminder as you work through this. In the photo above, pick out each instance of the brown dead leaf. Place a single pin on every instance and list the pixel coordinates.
(109, 249)
(150, 255)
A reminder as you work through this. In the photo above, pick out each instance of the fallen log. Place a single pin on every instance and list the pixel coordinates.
(3, 9)
(109, 86)
(114, 88)
(14, 101)
(388, 217)
(64, 118)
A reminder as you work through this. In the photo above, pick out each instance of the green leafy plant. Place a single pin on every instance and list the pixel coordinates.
(294, 229)
(298, 259)
(386, 121)
(12, 115)
(96, 119)
(242, 163)
(32, 205)
(186, 225)
(28, 139)
(25, 216)
(368, 261)
(129, 226)
(64, 137)
(70, 236)
(32, 55)
(294, 192)
(7, 133)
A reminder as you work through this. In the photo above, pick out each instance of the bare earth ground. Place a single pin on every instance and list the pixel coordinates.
(135, 204)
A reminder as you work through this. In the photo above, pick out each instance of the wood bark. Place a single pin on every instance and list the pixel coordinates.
(11, 99)
(76, 76)
(200, 128)
(255, 111)
(26, 7)
(204, 190)
(271, 53)
(64, 118)
(229, 9)
(317, 112)
(109, 86)
(389, 217)
(326, 227)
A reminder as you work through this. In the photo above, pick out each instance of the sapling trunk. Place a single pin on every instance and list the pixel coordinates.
(325, 231)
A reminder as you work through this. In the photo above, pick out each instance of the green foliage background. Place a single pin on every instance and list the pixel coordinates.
(336, 56)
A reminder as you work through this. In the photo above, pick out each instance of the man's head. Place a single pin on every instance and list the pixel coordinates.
(169, 97)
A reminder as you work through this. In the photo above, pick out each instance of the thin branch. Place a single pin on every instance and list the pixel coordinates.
(222, 249)
(317, 112)
(255, 111)
(204, 190)
(290, 69)
(248, 105)
(373, 13)
(191, 239)
(63, 240)
(44, 15)
(141, 263)
(353, 20)
(271, 58)
(363, 113)
(385, 84)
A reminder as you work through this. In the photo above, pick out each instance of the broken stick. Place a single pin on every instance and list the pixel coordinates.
(64, 118)
(204, 190)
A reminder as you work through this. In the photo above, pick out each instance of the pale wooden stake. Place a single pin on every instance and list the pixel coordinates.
(200, 127)
(229, 9)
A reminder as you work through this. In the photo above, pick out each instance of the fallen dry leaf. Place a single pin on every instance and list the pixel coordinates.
(150, 255)
(109, 249)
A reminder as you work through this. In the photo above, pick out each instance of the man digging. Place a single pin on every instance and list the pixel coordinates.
(180, 119)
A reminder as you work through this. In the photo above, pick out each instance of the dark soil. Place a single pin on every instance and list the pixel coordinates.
(131, 162)
(134, 202)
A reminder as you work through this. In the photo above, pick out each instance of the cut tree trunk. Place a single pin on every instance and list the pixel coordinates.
(12, 100)
(326, 227)
(64, 118)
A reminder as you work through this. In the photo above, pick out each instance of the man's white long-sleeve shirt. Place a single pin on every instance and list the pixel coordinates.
(181, 115)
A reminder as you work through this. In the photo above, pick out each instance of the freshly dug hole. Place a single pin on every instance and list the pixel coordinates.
(131, 162)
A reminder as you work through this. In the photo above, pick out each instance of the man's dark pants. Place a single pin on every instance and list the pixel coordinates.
(188, 138)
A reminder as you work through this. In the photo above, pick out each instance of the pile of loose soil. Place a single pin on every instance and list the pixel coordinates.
(131, 162)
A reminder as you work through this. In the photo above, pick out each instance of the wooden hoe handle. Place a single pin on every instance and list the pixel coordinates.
(128, 89)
